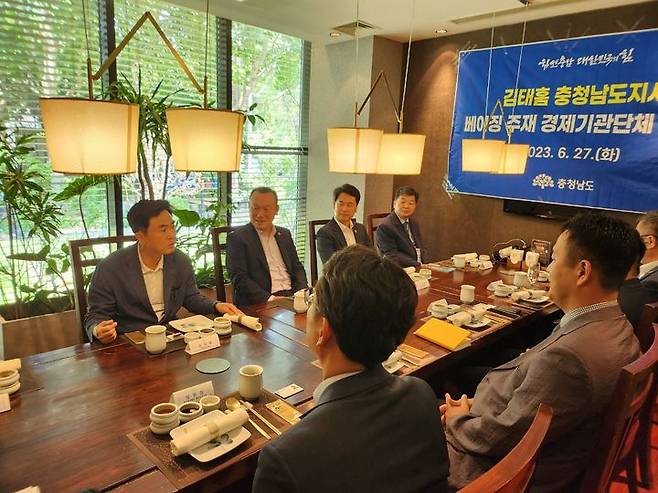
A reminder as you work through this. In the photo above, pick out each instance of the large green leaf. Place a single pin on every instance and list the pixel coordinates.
(79, 186)
(186, 217)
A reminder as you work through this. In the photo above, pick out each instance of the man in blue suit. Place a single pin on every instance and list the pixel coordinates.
(647, 228)
(398, 236)
(369, 431)
(260, 257)
(145, 283)
(341, 231)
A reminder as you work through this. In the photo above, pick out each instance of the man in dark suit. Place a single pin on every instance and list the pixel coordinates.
(146, 283)
(341, 231)
(647, 227)
(398, 236)
(260, 257)
(368, 431)
(633, 293)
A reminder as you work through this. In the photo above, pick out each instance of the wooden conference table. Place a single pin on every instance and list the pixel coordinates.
(69, 424)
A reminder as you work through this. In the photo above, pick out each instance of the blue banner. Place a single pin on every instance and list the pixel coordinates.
(586, 106)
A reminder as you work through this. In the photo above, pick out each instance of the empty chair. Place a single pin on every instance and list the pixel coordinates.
(373, 222)
(219, 249)
(313, 235)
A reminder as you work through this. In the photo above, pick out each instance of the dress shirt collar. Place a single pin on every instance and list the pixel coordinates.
(343, 227)
(402, 221)
(264, 235)
(145, 268)
(647, 268)
(319, 390)
(571, 315)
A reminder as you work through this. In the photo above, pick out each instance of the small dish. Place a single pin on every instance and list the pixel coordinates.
(479, 324)
(192, 324)
(538, 301)
(393, 367)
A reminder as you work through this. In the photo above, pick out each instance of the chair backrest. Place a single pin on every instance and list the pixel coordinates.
(621, 421)
(375, 220)
(644, 331)
(514, 471)
(78, 264)
(219, 248)
(312, 234)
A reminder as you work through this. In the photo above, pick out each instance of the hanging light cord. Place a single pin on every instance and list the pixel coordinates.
(518, 67)
(406, 70)
(84, 19)
(356, 66)
(486, 101)
(205, 61)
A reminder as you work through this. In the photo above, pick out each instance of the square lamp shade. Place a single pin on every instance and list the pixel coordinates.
(205, 139)
(353, 150)
(90, 137)
(481, 155)
(401, 154)
(514, 159)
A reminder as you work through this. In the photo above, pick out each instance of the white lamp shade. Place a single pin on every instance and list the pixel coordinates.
(514, 159)
(90, 137)
(481, 155)
(401, 154)
(205, 139)
(353, 150)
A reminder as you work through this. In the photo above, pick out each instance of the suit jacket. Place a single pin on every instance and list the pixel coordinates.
(247, 264)
(393, 241)
(118, 292)
(574, 370)
(651, 276)
(370, 432)
(330, 238)
(633, 295)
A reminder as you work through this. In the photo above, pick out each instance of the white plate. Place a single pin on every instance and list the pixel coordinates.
(191, 324)
(393, 367)
(477, 325)
(210, 450)
(538, 301)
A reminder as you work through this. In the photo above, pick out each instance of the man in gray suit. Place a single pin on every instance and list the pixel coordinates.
(647, 227)
(368, 431)
(341, 231)
(146, 283)
(574, 370)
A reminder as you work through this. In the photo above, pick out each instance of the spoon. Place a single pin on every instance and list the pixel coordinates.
(233, 404)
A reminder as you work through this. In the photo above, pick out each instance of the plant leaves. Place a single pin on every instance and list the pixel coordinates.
(186, 217)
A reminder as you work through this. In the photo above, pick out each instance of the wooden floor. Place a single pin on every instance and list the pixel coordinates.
(619, 486)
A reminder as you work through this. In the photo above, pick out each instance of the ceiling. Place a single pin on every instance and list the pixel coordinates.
(313, 20)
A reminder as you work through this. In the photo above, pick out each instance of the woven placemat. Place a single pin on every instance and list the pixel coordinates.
(184, 470)
(172, 346)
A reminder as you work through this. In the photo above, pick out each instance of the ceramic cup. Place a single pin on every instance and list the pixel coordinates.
(467, 293)
(164, 413)
(439, 311)
(8, 378)
(426, 273)
(190, 336)
(222, 326)
(299, 303)
(156, 339)
(207, 331)
(251, 382)
(521, 279)
(189, 411)
(501, 291)
(209, 403)
(459, 261)
(543, 276)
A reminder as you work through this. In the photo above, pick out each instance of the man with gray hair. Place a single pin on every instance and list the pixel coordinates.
(647, 228)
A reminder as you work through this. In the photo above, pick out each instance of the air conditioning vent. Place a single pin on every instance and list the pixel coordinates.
(350, 29)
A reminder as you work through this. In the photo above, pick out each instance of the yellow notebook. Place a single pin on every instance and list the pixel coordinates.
(444, 334)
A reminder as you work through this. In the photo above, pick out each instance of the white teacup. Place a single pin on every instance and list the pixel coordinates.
(209, 403)
(299, 303)
(189, 410)
(251, 382)
(459, 261)
(222, 325)
(156, 338)
(521, 279)
(164, 413)
(439, 311)
(190, 336)
(207, 331)
(502, 290)
(467, 293)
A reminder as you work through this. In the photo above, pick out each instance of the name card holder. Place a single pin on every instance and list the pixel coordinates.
(4, 403)
(204, 344)
(193, 393)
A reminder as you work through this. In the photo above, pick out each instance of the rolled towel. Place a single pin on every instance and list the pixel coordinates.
(521, 294)
(252, 323)
(460, 318)
(537, 293)
(195, 436)
(10, 364)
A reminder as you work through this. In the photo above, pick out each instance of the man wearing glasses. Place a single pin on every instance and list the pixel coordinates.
(145, 283)
(647, 227)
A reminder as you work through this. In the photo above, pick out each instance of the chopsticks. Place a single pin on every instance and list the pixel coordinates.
(250, 407)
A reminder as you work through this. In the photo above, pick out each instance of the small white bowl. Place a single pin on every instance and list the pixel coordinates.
(11, 389)
(191, 336)
(8, 378)
(189, 410)
(207, 331)
(209, 403)
(164, 413)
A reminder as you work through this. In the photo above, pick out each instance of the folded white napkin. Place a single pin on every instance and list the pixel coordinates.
(252, 323)
(195, 436)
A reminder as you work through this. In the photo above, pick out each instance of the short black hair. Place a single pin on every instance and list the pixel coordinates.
(650, 219)
(406, 191)
(265, 190)
(609, 244)
(641, 248)
(140, 214)
(369, 301)
(349, 190)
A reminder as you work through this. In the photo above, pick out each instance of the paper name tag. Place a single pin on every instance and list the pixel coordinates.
(4, 403)
(193, 393)
(204, 344)
(291, 389)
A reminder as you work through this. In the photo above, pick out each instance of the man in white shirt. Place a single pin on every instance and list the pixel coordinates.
(260, 257)
(145, 283)
(647, 227)
(368, 431)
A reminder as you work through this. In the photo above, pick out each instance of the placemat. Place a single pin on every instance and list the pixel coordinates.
(172, 346)
(184, 470)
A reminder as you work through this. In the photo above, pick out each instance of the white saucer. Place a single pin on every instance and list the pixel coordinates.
(392, 368)
(192, 324)
(538, 301)
(478, 325)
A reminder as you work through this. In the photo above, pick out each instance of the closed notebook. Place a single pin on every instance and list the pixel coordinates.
(443, 333)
